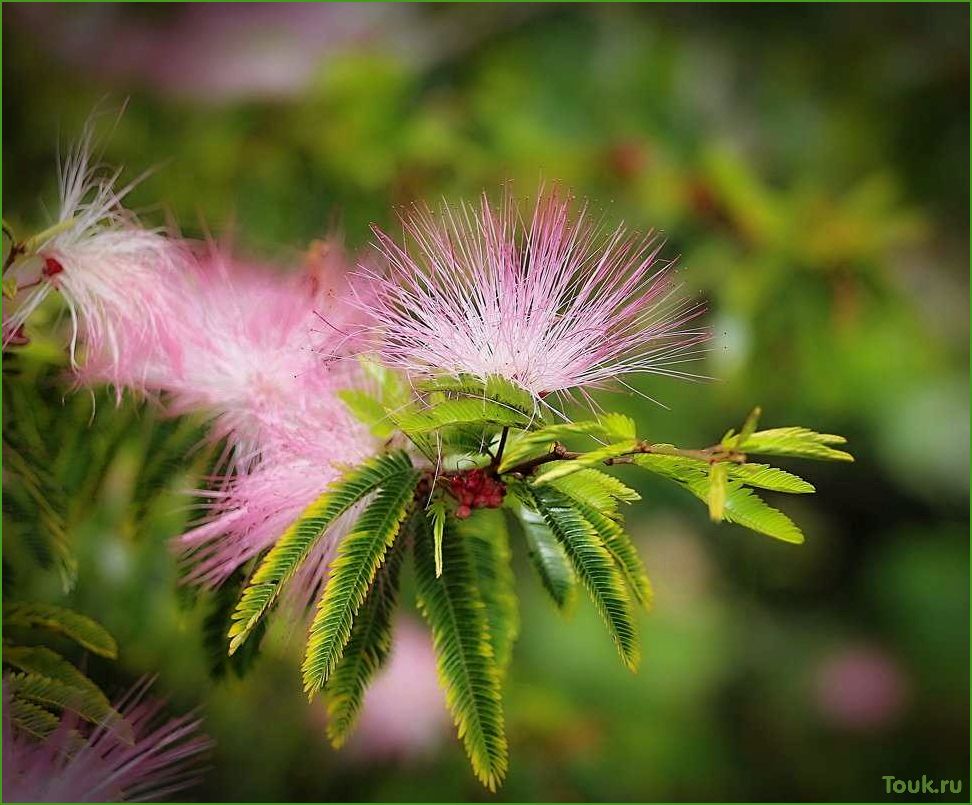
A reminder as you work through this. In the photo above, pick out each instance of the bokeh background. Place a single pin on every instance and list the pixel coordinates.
(808, 164)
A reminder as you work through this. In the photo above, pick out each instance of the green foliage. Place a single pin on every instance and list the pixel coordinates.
(43, 683)
(593, 564)
(79, 628)
(49, 693)
(466, 411)
(217, 623)
(32, 719)
(604, 519)
(560, 469)
(744, 507)
(437, 513)
(486, 534)
(495, 388)
(453, 606)
(366, 651)
(549, 559)
(289, 552)
(526, 445)
(795, 442)
(359, 556)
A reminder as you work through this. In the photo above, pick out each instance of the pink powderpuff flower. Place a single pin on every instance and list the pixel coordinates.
(261, 349)
(116, 277)
(249, 512)
(551, 303)
(101, 766)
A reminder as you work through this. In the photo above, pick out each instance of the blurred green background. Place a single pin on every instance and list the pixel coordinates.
(808, 164)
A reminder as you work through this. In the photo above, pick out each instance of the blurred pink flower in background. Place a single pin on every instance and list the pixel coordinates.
(860, 687)
(404, 714)
(213, 51)
(102, 767)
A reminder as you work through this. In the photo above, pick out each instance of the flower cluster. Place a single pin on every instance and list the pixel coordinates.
(548, 299)
(476, 489)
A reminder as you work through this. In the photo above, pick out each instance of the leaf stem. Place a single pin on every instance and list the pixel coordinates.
(710, 455)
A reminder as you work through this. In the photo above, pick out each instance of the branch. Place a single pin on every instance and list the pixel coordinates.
(710, 455)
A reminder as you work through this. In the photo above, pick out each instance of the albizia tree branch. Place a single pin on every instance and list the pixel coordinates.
(410, 410)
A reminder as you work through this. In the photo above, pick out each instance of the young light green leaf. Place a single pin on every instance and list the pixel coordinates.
(772, 478)
(745, 508)
(598, 489)
(796, 442)
(467, 668)
(289, 552)
(79, 628)
(529, 444)
(495, 388)
(619, 427)
(437, 512)
(560, 469)
(466, 411)
(369, 411)
(749, 426)
(718, 478)
(359, 555)
(367, 650)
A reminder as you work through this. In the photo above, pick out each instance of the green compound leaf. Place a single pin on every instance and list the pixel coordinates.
(560, 469)
(487, 536)
(41, 661)
(598, 489)
(524, 446)
(549, 559)
(32, 719)
(369, 411)
(367, 650)
(79, 628)
(495, 388)
(618, 544)
(359, 556)
(467, 667)
(592, 562)
(51, 693)
(765, 477)
(795, 442)
(293, 547)
(744, 507)
(466, 411)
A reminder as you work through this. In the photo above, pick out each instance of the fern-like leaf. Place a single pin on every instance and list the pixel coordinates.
(495, 388)
(369, 646)
(549, 559)
(460, 633)
(79, 628)
(597, 489)
(466, 411)
(358, 557)
(289, 552)
(488, 539)
(764, 476)
(619, 545)
(795, 442)
(593, 563)
(32, 718)
(744, 507)
(51, 693)
(42, 661)
(561, 469)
